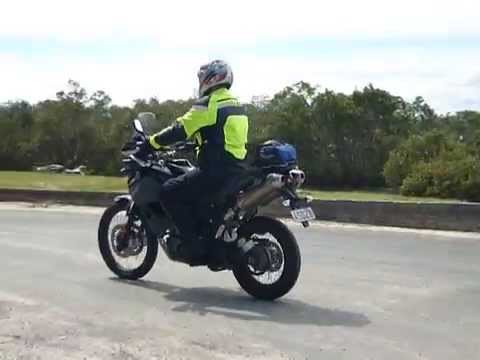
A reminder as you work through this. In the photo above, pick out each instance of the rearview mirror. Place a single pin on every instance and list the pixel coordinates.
(137, 124)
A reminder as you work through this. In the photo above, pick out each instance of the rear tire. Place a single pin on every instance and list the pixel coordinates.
(106, 251)
(291, 262)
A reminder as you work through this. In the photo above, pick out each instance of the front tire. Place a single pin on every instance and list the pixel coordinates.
(261, 225)
(106, 249)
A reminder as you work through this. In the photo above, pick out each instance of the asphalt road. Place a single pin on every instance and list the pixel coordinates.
(364, 293)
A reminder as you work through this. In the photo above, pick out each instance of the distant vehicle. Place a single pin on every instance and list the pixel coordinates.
(80, 170)
(55, 168)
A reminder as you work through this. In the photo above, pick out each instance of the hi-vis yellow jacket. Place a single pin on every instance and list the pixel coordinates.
(218, 125)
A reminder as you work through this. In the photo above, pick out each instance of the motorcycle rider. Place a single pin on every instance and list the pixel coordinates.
(217, 123)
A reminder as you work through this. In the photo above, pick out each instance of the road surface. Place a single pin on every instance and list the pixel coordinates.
(364, 293)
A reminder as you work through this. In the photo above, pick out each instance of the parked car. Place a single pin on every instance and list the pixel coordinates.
(55, 168)
(79, 170)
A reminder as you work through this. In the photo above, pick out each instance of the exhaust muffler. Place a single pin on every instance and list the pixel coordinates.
(263, 194)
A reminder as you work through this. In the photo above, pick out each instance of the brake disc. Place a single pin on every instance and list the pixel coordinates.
(134, 243)
(266, 256)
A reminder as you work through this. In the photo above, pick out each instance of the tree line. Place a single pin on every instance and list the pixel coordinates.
(369, 138)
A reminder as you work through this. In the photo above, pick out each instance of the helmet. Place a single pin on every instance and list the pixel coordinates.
(213, 75)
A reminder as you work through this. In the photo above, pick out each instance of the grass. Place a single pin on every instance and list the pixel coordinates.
(370, 195)
(46, 181)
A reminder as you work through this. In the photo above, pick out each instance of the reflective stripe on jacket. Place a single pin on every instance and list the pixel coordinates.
(219, 126)
(218, 121)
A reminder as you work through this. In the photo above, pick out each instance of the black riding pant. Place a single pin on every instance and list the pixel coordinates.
(180, 196)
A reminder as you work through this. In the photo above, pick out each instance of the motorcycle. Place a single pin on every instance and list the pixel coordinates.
(261, 251)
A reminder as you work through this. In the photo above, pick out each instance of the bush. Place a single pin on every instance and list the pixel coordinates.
(434, 164)
(417, 182)
(415, 150)
(452, 175)
(396, 169)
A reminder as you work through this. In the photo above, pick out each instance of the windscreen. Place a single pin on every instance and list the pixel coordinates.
(149, 122)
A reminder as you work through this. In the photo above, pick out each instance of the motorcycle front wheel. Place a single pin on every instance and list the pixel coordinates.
(278, 245)
(129, 256)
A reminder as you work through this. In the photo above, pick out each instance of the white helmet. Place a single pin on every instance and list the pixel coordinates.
(214, 75)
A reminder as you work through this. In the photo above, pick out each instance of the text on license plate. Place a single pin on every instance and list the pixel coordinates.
(303, 214)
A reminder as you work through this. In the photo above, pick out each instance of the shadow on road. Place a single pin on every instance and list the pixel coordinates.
(229, 303)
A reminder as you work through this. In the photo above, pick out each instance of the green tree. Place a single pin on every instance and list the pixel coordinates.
(16, 121)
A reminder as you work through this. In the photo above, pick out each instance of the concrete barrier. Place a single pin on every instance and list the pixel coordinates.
(439, 216)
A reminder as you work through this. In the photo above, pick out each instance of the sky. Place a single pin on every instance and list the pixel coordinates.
(142, 48)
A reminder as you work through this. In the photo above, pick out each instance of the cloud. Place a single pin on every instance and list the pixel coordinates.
(474, 81)
(153, 48)
(196, 23)
(404, 72)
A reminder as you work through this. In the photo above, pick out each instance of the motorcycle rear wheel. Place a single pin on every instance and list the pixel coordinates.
(108, 253)
(283, 238)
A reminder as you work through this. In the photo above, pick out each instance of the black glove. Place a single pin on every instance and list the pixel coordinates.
(139, 145)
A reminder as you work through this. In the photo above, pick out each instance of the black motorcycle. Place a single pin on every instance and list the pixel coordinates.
(261, 251)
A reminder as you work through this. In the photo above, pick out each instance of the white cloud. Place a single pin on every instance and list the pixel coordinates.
(188, 33)
(440, 78)
(198, 23)
(474, 81)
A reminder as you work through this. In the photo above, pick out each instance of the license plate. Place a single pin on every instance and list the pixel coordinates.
(303, 214)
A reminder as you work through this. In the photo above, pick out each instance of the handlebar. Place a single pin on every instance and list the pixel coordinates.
(140, 162)
(164, 153)
(137, 150)
(182, 146)
(167, 152)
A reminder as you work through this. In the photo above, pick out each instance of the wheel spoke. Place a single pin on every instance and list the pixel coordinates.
(126, 263)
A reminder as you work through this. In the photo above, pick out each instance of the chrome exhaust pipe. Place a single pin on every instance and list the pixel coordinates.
(263, 194)
(248, 201)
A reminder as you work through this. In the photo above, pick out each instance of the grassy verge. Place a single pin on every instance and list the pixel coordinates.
(46, 181)
(369, 195)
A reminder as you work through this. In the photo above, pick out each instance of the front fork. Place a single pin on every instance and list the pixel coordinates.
(124, 235)
(130, 217)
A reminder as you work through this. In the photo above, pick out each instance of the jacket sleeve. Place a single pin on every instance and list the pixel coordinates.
(186, 126)
(197, 118)
(169, 135)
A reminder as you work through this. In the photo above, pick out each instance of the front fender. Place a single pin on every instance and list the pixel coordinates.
(123, 199)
